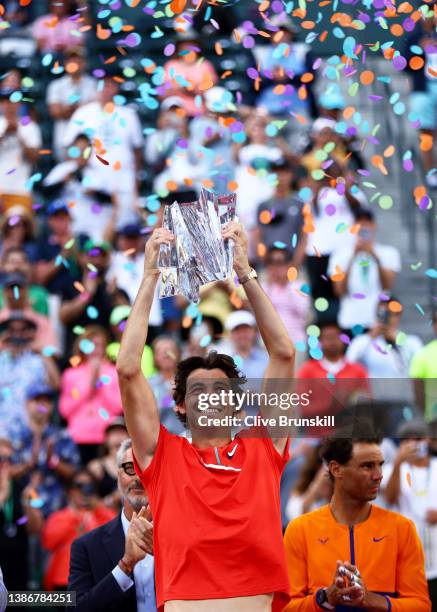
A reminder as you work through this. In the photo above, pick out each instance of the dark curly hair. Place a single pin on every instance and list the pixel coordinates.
(212, 361)
(341, 449)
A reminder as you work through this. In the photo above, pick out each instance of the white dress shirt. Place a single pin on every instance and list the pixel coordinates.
(144, 574)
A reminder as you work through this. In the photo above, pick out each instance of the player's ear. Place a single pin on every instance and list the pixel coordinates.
(336, 469)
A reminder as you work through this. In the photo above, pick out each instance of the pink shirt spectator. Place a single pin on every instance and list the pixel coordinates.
(199, 76)
(292, 306)
(89, 411)
(52, 34)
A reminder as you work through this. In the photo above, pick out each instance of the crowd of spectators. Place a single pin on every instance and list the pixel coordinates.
(70, 269)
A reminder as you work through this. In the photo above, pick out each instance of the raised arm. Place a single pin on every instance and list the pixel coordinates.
(279, 345)
(139, 404)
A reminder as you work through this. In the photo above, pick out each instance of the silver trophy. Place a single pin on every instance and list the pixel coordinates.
(199, 255)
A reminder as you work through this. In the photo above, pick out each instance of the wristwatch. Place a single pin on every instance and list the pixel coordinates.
(322, 600)
(247, 277)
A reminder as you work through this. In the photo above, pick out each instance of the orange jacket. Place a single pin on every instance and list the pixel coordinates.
(385, 548)
(59, 531)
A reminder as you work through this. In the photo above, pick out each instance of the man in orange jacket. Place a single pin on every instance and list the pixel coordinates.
(381, 547)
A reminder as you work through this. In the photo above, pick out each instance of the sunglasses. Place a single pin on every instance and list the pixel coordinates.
(128, 468)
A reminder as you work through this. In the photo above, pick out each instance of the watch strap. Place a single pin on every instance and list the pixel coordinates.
(247, 277)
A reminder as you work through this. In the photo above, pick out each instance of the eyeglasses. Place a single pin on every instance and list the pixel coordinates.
(128, 468)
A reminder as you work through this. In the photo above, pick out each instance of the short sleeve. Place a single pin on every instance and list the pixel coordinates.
(149, 476)
(341, 258)
(391, 259)
(279, 460)
(54, 93)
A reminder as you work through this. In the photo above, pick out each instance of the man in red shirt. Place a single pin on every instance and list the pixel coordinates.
(334, 383)
(215, 502)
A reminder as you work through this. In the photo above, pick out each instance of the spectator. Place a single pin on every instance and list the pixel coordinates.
(323, 132)
(20, 139)
(410, 484)
(313, 488)
(57, 251)
(386, 353)
(254, 163)
(331, 207)
(91, 203)
(90, 397)
(83, 513)
(117, 131)
(57, 31)
(45, 455)
(382, 545)
(211, 139)
(105, 468)
(186, 78)
(280, 219)
(18, 519)
(171, 125)
(361, 272)
(118, 319)
(334, 380)
(16, 299)
(16, 261)
(93, 304)
(424, 89)
(17, 231)
(243, 347)
(166, 353)
(121, 550)
(66, 94)
(423, 369)
(291, 304)
(20, 367)
(284, 63)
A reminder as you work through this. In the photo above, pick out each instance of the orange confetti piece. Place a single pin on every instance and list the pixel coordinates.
(171, 185)
(25, 2)
(111, 60)
(186, 322)
(101, 33)
(79, 287)
(405, 7)
(188, 182)
(432, 72)
(394, 306)
(308, 25)
(264, 6)
(177, 6)
(300, 13)
(367, 77)
(75, 361)
(408, 475)
(129, 252)
(236, 35)
(116, 165)
(338, 275)
(307, 77)
(389, 151)
(207, 83)
(261, 250)
(416, 62)
(348, 112)
(235, 300)
(302, 93)
(265, 217)
(44, 152)
(316, 251)
(278, 90)
(75, 393)
(292, 273)
(278, 36)
(208, 183)
(396, 29)
(419, 192)
(232, 185)
(218, 48)
(426, 141)
(264, 34)
(226, 74)
(323, 36)
(300, 118)
(355, 228)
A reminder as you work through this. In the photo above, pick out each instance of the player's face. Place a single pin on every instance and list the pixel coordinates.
(361, 477)
(130, 485)
(199, 384)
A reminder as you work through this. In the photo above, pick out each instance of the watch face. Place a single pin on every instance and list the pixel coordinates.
(321, 596)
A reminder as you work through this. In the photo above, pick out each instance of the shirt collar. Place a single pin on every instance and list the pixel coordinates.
(125, 522)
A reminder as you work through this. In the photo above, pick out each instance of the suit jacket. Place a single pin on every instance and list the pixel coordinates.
(93, 557)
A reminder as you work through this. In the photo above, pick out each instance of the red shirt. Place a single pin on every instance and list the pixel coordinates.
(217, 519)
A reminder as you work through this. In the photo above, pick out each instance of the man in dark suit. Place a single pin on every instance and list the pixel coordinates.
(112, 568)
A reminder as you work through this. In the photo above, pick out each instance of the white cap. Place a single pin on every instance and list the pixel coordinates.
(240, 317)
(322, 123)
(171, 101)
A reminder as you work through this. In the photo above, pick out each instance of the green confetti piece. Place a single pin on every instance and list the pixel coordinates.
(416, 266)
(369, 185)
(400, 338)
(385, 202)
(353, 89)
(321, 304)
(318, 174)
(69, 244)
(78, 330)
(313, 330)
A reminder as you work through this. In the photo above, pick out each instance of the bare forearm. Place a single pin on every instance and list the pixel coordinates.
(74, 308)
(270, 325)
(135, 335)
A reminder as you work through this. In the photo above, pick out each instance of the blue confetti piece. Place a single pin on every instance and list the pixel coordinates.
(301, 346)
(16, 292)
(316, 354)
(36, 503)
(431, 272)
(49, 351)
(103, 414)
(86, 346)
(294, 241)
(92, 312)
(349, 47)
(420, 309)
